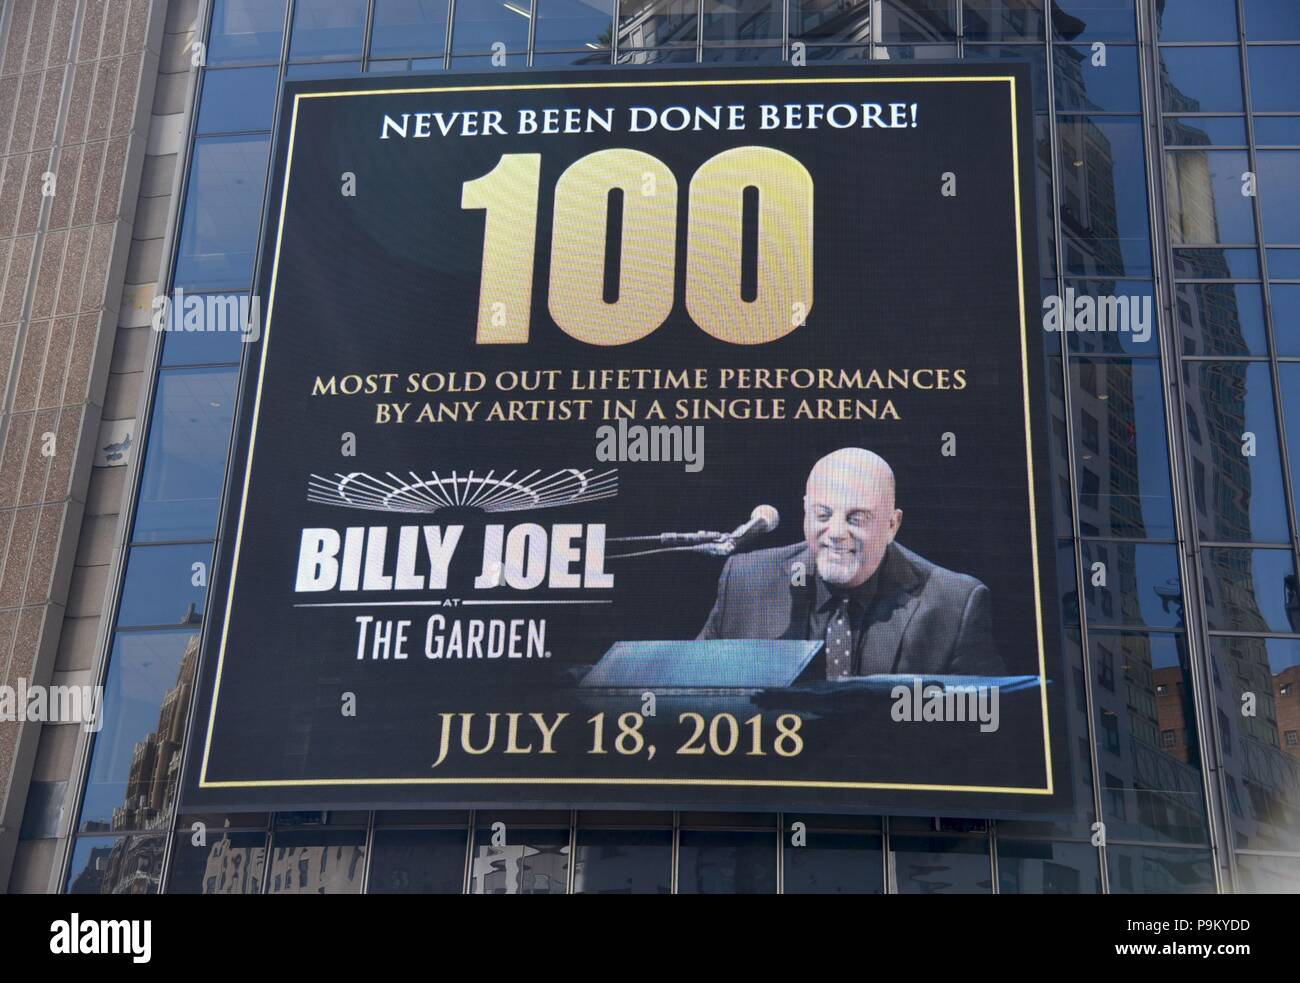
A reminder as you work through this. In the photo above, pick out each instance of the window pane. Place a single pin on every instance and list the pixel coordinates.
(819, 20)
(116, 865)
(478, 26)
(1221, 318)
(1040, 867)
(914, 52)
(234, 863)
(1147, 749)
(1251, 590)
(1032, 53)
(834, 863)
(1197, 20)
(1123, 320)
(1121, 448)
(1093, 20)
(848, 53)
(589, 58)
(726, 862)
(489, 63)
(1272, 20)
(742, 20)
(1289, 379)
(655, 23)
(1002, 20)
(940, 865)
(1274, 78)
(418, 861)
(315, 819)
(1268, 875)
(1279, 195)
(749, 55)
(406, 65)
(1261, 752)
(917, 20)
(652, 56)
(574, 24)
(1203, 131)
(1285, 300)
(624, 861)
(1284, 264)
(1143, 586)
(323, 70)
(1277, 131)
(135, 757)
(421, 817)
(237, 99)
(1201, 80)
(1203, 192)
(1104, 216)
(404, 27)
(223, 212)
(245, 30)
(1216, 264)
(323, 861)
(1151, 870)
(535, 861)
(1237, 469)
(327, 27)
(1081, 85)
(185, 461)
(159, 587)
(206, 328)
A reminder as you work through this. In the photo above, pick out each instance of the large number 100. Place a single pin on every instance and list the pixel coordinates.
(648, 250)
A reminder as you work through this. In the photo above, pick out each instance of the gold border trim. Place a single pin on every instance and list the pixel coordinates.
(755, 783)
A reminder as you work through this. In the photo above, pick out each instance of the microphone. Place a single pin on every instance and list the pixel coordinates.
(762, 520)
(674, 539)
(689, 538)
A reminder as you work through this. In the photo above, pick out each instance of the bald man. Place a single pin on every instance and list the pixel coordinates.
(879, 607)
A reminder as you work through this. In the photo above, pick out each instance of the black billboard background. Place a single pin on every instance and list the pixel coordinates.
(388, 280)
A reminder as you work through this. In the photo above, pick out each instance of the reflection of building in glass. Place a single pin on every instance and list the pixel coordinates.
(1171, 718)
(1142, 763)
(1286, 687)
(1215, 394)
(658, 23)
(1089, 217)
(232, 869)
(91, 878)
(1261, 772)
(134, 863)
(155, 763)
(873, 21)
(521, 870)
(134, 866)
(328, 869)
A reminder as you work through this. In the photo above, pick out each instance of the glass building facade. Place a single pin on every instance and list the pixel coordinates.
(1168, 172)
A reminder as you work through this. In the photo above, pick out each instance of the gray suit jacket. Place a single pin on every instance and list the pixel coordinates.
(923, 619)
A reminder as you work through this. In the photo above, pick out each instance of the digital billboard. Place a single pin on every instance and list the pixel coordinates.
(651, 439)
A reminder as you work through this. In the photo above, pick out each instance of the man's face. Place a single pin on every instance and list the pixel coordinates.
(849, 520)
